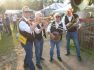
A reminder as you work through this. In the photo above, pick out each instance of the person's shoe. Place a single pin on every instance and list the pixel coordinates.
(39, 66)
(51, 59)
(42, 58)
(79, 58)
(59, 58)
(26, 67)
(67, 54)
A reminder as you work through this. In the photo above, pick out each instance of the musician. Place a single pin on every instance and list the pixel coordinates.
(26, 30)
(55, 30)
(72, 31)
(38, 42)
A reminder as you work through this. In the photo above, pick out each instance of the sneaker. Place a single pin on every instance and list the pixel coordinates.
(79, 58)
(42, 58)
(59, 58)
(39, 66)
(51, 59)
(26, 66)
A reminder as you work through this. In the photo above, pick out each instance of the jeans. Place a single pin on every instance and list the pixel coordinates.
(38, 49)
(28, 56)
(58, 45)
(74, 35)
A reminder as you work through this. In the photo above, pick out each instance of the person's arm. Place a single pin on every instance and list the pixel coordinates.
(48, 28)
(63, 22)
(77, 24)
(49, 32)
(24, 27)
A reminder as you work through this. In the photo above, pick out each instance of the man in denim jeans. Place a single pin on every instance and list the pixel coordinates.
(72, 31)
(39, 39)
(26, 30)
(55, 29)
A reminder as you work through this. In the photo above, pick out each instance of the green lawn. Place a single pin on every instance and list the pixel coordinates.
(6, 44)
(87, 52)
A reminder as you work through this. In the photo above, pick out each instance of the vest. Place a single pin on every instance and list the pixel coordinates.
(27, 35)
(59, 29)
(72, 29)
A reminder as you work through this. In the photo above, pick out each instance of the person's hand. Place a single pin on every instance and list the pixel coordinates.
(45, 23)
(29, 22)
(52, 36)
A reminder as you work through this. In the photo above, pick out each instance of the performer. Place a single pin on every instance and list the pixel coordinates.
(71, 22)
(39, 41)
(14, 19)
(7, 24)
(1, 27)
(26, 30)
(55, 30)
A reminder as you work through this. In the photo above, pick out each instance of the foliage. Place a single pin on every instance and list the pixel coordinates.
(76, 3)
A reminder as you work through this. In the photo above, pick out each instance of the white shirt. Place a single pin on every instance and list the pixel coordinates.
(57, 24)
(69, 18)
(14, 18)
(37, 30)
(23, 26)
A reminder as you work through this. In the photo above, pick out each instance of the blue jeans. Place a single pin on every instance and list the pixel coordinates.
(38, 49)
(74, 35)
(58, 44)
(28, 56)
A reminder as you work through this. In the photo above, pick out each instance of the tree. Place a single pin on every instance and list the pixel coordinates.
(76, 3)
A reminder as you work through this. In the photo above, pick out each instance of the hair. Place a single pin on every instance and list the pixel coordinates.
(57, 14)
(38, 13)
(70, 9)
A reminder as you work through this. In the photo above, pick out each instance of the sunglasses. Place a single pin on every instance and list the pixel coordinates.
(58, 16)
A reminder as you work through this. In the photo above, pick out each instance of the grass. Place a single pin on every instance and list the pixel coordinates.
(89, 53)
(7, 43)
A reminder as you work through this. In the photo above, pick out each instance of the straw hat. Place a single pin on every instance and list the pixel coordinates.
(26, 9)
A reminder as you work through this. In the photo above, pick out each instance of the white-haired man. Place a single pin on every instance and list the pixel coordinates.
(38, 41)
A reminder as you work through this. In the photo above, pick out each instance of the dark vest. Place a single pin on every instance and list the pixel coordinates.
(59, 29)
(72, 29)
(30, 37)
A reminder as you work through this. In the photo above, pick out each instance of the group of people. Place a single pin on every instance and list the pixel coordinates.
(5, 23)
(35, 29)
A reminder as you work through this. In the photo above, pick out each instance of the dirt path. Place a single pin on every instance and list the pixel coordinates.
(15, 60)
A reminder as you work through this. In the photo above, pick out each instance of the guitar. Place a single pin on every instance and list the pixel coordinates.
(55, 36)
